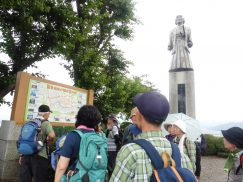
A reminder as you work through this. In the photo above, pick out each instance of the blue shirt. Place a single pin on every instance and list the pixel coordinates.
(71, 146)
(170, 137)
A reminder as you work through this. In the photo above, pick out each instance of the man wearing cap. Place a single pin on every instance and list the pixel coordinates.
(36, 165)
(132, 162)
(233, 141)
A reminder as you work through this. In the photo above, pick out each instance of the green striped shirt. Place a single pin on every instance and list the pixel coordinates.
(132, 162)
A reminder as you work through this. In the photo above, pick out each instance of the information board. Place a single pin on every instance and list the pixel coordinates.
(63, 100)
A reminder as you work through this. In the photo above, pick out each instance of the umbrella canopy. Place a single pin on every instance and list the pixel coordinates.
(193, 130)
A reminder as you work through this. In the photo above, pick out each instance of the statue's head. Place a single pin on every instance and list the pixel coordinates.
(179, 20)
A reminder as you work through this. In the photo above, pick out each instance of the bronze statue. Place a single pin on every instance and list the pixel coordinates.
(180, 42)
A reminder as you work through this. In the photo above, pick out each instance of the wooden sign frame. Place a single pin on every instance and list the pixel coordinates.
(22, 97)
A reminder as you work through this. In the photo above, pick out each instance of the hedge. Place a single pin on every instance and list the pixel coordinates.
(215, 146)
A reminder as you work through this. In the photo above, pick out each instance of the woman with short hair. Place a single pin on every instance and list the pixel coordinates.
(185, 145)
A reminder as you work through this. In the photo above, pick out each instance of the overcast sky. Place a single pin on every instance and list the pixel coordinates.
(217, 53)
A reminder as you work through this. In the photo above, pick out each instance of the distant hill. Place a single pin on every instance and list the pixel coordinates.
(216, 130)
(227, 126)
(212, 132)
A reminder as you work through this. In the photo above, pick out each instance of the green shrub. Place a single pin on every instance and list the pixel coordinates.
(124, 125)
(211, 145)
(215, 146)
(59, 130)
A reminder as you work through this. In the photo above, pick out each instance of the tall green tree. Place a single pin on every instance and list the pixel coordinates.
(29, 32)
(83, 32)
(118, 90)
(94, 61)
(100, 21)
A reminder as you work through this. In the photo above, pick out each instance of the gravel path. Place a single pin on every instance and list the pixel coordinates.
(212, 169)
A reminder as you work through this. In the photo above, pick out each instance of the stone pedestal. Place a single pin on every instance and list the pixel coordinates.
(182, 92)
(9, 167)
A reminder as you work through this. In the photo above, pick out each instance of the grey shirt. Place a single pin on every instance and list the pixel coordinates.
(233, 177)
(111, 139)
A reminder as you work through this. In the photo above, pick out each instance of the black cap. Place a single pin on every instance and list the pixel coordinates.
(235, 136)
(44, 108)
(153, 106)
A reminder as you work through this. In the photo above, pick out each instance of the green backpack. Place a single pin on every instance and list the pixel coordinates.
(92, 161)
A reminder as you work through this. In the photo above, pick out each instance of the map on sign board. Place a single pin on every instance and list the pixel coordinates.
(64, 102)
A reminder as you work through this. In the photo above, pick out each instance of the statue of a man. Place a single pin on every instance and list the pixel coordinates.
(180, 42)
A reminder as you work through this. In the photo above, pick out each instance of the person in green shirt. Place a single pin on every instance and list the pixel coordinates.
(132, 162)
(36, 165)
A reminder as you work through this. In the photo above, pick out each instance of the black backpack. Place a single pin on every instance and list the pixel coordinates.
(119, 144)
(198, 157)
(203, 144)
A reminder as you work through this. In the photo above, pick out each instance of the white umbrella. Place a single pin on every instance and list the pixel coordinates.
(193, 130)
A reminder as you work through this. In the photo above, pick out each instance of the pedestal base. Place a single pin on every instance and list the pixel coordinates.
(182, 92)
(9, 167)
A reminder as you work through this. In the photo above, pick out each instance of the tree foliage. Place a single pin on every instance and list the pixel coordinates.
(30, 31)
(116, 94)
(95, 62)
(99, 23)
(83, 33)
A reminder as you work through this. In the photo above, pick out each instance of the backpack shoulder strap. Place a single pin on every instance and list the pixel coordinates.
(80, 133)
(241, 160)
(176, 155)
(241, 164)
(153, 154)
(185, 144)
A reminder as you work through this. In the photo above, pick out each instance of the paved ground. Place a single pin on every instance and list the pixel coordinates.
(212, 169)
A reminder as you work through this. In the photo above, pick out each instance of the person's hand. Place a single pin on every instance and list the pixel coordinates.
(20, 160)
(49, 141)
(70, 172)
(109, 126)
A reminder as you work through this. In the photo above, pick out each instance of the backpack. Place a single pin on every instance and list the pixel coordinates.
(92, 161)
(120, 133)
(56, 153)
(203, 144)
(240, 167)
(166, 169)
(28, 142)
(198, 159)
(130, 133)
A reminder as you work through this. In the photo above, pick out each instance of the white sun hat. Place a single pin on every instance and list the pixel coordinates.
(180, 124)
